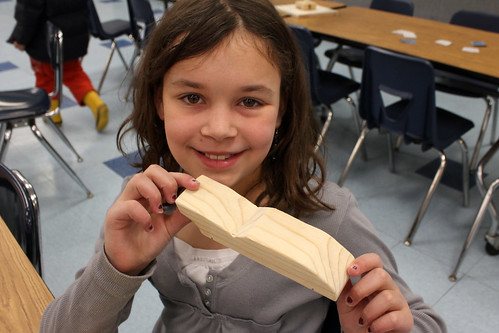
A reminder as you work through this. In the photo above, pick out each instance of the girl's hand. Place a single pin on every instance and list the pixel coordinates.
(374, 303)
(136, 230)
(18, 46)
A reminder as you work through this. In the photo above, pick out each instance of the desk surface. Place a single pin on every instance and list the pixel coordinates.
(329, 4)
(360, 27)
(23, 294)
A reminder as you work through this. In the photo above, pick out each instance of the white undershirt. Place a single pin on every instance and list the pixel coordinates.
(196, 263)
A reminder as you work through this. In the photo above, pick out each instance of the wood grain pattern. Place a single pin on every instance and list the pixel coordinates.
(268, 236)
(23, 294)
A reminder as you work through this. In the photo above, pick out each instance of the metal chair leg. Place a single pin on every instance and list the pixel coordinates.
(358, 124)
(426, 201)
(5, 135)
(355, 150)
(494, 120)
(485, 122)
(333, 59)
(474, 227)
(59, 159)
(466, 173)
(325, 127)
(61, 135)
(391, 161)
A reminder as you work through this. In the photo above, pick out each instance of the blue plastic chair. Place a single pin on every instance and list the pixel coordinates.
(353, 57)
(19, 209)
(464, 86)
(108, 31)
(326, 88)
(414, 116)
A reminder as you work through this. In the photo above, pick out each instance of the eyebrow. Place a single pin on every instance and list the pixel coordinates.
(251, 88)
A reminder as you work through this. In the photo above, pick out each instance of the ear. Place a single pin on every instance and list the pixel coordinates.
(158, 102)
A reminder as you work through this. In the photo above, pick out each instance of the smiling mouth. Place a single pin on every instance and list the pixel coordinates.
(218, 157)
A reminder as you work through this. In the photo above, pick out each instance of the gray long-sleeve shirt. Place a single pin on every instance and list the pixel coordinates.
(243, 297)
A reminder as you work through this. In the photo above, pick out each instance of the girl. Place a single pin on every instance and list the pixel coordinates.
(222, 81)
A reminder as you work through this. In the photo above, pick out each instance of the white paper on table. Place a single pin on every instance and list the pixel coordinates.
(405, 33)
(470, 49)
(443, 42)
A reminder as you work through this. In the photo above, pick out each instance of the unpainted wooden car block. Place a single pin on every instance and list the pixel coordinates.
(305, 5)
(268, 236)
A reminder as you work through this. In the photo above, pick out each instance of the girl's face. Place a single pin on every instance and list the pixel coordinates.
(221, 111)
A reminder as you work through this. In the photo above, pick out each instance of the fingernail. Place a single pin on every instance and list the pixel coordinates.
(355, 267)
(174, 197)
(349, 300)
(361, 321)
(194, 180)
(160, 208)
(369, 329)
(150, 227)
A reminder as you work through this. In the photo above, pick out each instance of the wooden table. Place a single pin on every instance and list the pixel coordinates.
(329, 4)
(360, 27)
(23, 294)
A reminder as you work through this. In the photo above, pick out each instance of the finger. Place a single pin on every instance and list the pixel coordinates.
(395, 321)
(142, 188)
(170, 182)
(384, 302)
(371, 283)
(126, 211)
(364, 263)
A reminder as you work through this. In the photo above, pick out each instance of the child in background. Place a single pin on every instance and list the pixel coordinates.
(29, 34)
(221, 91)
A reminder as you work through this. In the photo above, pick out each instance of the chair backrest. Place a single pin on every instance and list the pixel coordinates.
(476, 20)
(409, 82)
(305, 42)
(141, 13)
(394, 6)
(95, 25)
(54, 46)
(19, 209)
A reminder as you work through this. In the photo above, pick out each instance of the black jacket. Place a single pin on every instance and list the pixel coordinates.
(71, 16)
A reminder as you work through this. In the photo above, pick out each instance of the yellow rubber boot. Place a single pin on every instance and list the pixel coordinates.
(99, 109)
(57, 118)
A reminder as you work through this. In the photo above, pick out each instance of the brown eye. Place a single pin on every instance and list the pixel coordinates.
(250, 102)
(192, 99)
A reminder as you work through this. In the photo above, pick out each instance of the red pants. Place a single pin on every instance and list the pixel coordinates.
(73, 77)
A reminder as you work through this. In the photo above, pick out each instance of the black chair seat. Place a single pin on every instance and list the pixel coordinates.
(450, 128)
(464, 86)
(333, 87)
(349, 56)
(22, 104)
(113, 29)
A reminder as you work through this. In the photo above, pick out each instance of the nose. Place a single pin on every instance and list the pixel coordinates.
(220, 123)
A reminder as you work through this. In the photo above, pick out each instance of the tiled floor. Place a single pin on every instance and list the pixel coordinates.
(70, 222)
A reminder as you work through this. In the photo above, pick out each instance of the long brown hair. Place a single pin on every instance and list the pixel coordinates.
(293, 173)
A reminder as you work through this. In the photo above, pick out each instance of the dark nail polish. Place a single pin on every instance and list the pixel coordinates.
(361, 321)
(369, 329)
(349, 300)
(174, 197)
